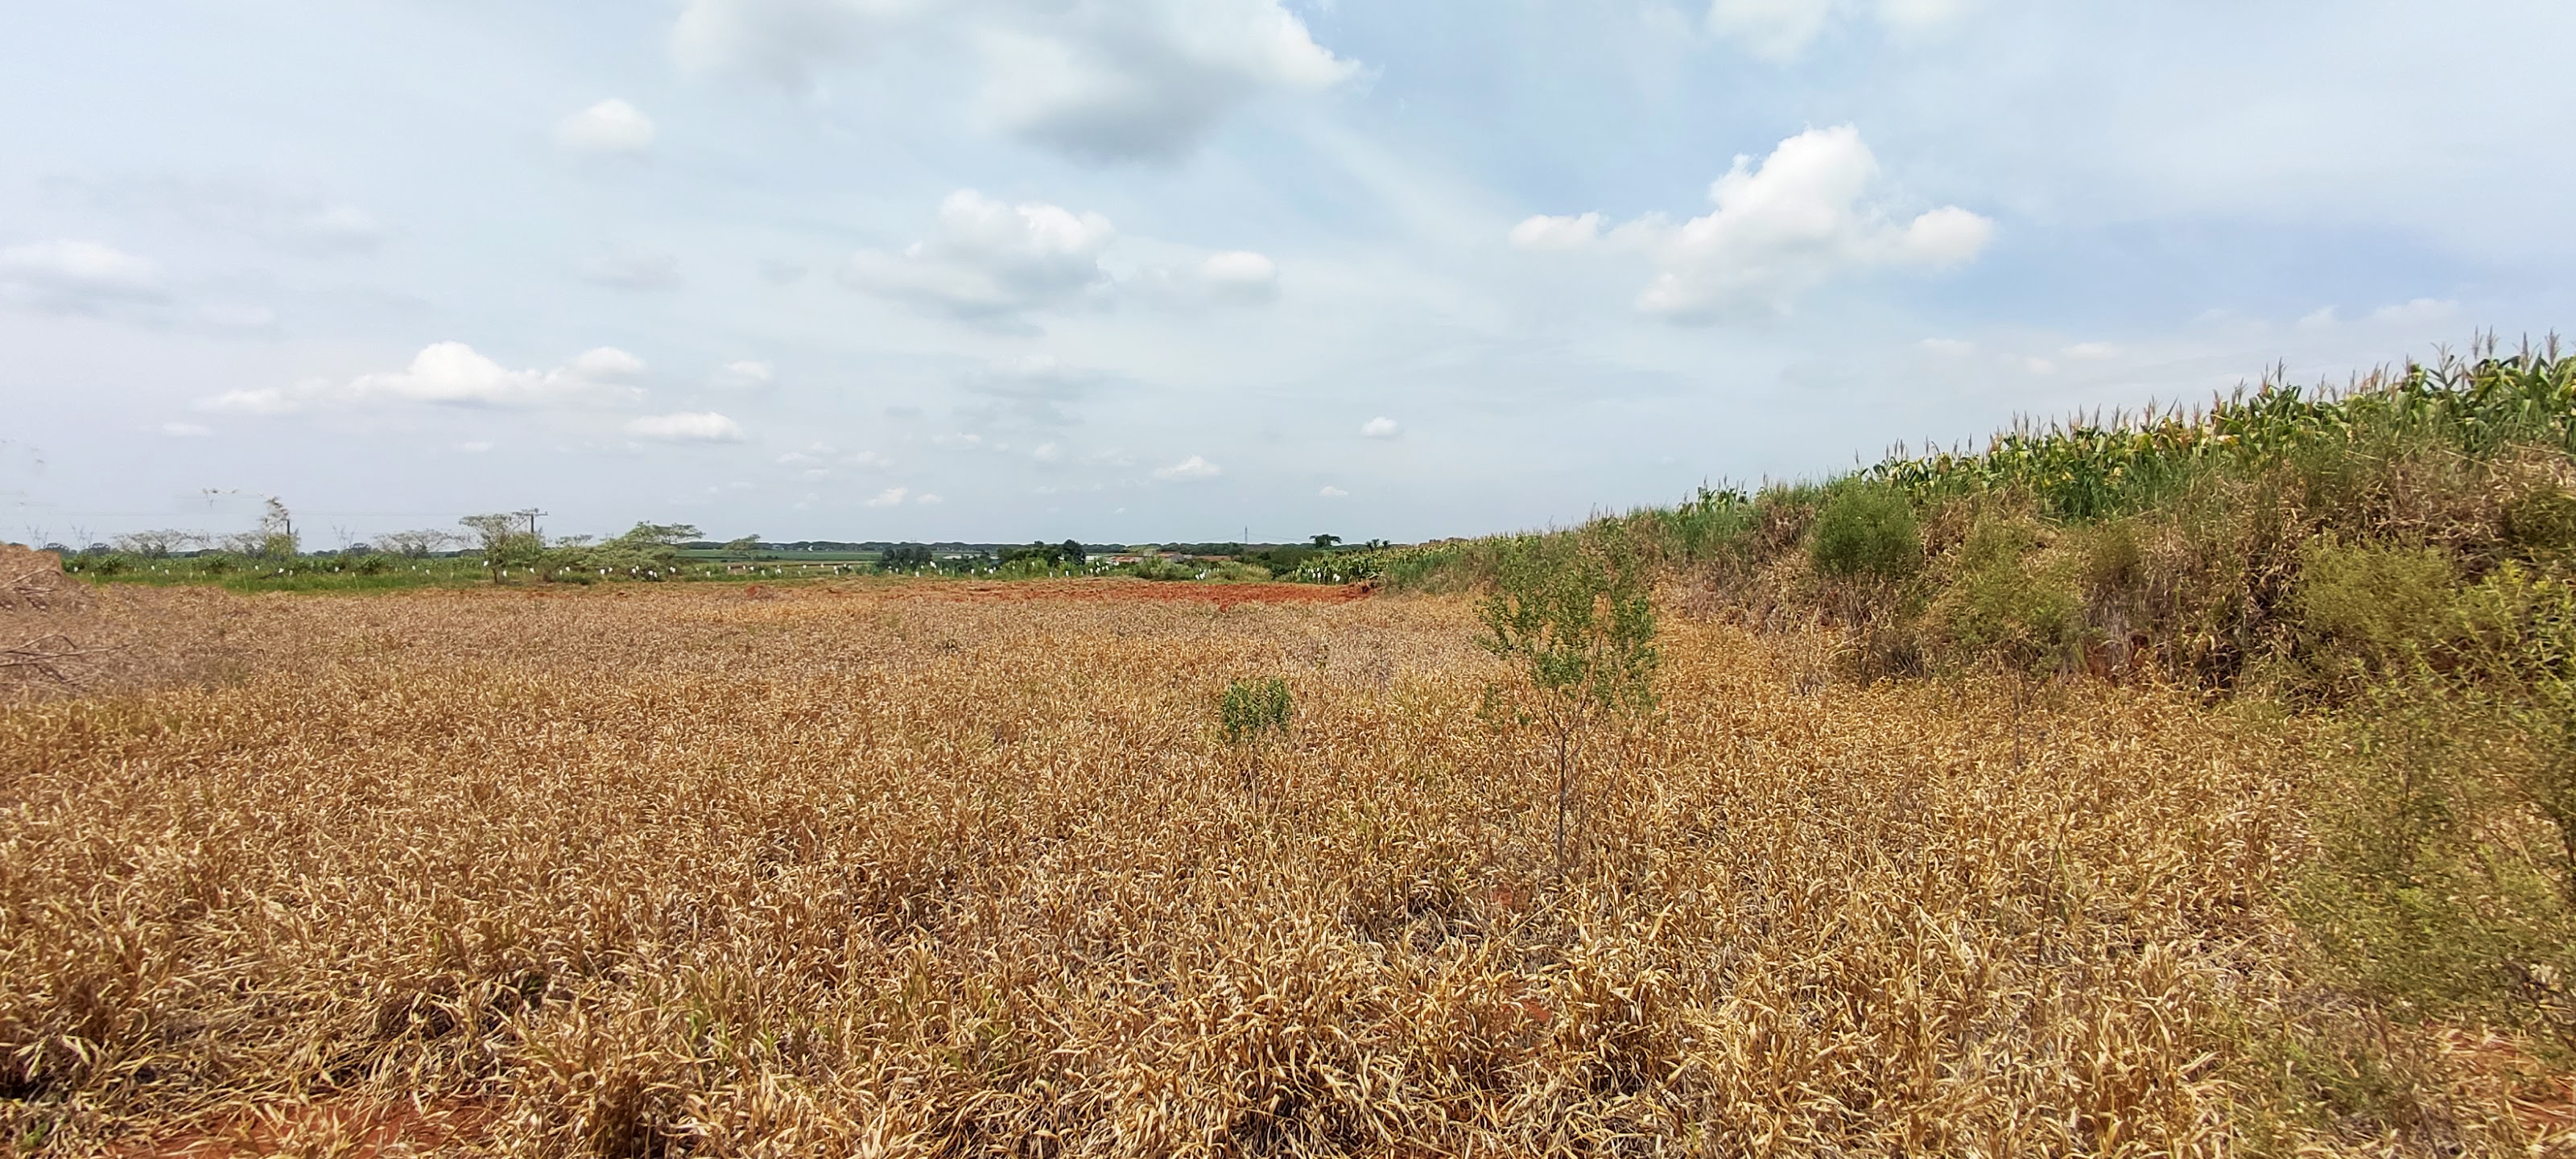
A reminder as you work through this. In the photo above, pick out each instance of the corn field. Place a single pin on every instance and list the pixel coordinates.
(897, 872)
(2097, 467)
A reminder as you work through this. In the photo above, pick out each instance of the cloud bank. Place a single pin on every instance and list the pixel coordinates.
(1142, 80)
(1801, 218)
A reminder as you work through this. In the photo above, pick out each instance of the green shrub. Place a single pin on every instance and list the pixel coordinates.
(2373, 612)
(1254, 709)
(1867, 533)
(372, 563)
(2541, 522)
(1158, 568)
(1999, 608)
(1253, 713)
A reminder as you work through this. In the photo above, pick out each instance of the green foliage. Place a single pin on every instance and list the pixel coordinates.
(2374, 613)
(1043, 558)
(507, 541)
(372, 563)
(2089, 469)
(1867, 533)
(2000, 607)
(670, 535)
(1158, 568)
(2541, 523)
(1254, 710)
(1253, 713)
(276, 536)
(1578, 619)
(1575, 615)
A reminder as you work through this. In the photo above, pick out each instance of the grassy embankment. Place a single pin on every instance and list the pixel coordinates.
(2395, 559)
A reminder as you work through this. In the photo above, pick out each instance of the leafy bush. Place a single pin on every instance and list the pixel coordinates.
(2374, 613)
(2541, 522)
(1867, 533)
(2000, 607)
(1254, 709)
(1158, 568)
(372, 563)
(1253, 712)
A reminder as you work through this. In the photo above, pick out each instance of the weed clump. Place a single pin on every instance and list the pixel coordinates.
(1867, 533)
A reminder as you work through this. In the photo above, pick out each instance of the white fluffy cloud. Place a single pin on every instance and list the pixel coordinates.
(1381, 427)
(1137, 80)
(1543, 233)
(685, 427)
(1784, 29)
(991, 261)
(1799, 219)
(747, 374)
(452, 374)
(1230, 278)
(890, 497)
(607, 364)
(75, 276)
(1193, 467)
(1333, 492)
(611, 126)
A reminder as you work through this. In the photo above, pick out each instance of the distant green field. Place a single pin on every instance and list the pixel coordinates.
(338, 574)
(301, 574)
(720, 555)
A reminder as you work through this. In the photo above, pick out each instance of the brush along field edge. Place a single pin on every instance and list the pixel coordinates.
(644, 872)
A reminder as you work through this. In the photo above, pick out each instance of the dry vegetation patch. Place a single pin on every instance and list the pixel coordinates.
(652, 872)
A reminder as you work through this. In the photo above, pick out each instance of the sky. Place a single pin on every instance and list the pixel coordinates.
(1155, 270)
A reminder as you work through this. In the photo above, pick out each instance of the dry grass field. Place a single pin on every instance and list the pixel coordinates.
(897, 870)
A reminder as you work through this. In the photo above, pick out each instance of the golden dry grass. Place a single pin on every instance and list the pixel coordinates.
(645, 872)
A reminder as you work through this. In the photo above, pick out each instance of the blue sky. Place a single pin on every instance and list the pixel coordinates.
(1165, 269)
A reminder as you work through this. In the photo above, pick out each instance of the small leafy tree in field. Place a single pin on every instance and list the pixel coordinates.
(507, 541)
(647, 550)
(1578, 619)
(1254, 713)
(417, 544)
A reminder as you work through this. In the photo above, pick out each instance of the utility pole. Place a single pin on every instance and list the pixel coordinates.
(532, 514)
